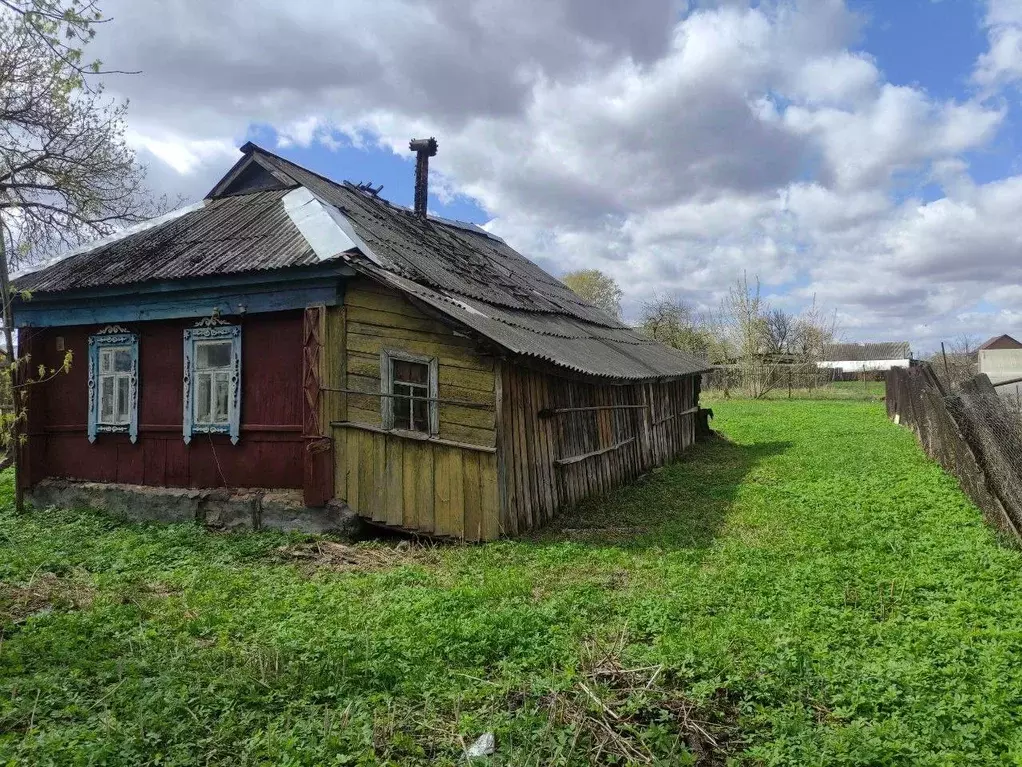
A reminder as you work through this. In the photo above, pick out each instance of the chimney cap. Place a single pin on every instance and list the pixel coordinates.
(427, 145)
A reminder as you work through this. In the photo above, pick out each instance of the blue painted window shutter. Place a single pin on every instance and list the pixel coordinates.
(212, 379)
(113, 383)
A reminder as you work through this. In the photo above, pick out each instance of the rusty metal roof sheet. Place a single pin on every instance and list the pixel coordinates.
(1000, 342)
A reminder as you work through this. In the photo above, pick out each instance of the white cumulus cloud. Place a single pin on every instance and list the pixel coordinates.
(672, 145)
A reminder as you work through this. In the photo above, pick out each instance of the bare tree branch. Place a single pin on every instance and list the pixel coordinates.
(66, 173)
(672, 322)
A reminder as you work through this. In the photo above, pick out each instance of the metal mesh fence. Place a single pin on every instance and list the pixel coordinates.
(970, 431)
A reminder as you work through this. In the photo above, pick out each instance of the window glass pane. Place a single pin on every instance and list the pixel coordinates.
(410, 380)
(411, 372)
(106, 399)
(420, 414)
(122, 360)
(402, 407)
(221, 389)
(203, 393)
(105, 360)
(216, 354)
(122, 399)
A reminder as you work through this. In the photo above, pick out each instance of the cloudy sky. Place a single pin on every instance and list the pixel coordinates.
(864, 152)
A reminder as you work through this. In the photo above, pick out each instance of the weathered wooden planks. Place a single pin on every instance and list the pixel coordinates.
(450, 355)
(420, 485)
(590, 438)
(594, 436)
(378, 319)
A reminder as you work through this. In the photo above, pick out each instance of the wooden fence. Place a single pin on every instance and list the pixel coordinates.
(970, 433)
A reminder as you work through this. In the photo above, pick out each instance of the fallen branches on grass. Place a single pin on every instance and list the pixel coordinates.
(639, 715)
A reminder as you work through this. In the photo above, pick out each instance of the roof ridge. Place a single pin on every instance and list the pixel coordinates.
(251, 147)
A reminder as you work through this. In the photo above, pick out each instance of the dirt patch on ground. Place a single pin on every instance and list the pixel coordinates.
(331, 555)
(44, 593)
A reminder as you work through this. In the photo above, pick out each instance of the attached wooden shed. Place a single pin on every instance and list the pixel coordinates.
(516, 439)
(447, 384)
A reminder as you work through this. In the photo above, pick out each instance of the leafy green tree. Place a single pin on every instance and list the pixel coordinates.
(597, 288)
(66, 172)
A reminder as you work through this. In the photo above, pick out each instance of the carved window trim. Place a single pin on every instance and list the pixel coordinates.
(110, 337)
(212, 329)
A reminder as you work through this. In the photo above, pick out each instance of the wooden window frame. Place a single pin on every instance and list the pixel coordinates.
(387, 357)
(108, 338)
(212, 330)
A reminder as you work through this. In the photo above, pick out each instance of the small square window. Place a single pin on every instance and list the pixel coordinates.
(411, 385)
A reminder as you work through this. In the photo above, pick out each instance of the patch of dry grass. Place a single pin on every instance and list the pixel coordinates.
(366, 557)
(42, 593)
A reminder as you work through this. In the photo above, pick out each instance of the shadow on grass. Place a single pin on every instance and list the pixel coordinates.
(681, 506)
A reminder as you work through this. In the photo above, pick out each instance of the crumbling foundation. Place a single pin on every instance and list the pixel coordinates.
(216, 509)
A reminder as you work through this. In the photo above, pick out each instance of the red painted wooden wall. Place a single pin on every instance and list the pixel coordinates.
(271, 452)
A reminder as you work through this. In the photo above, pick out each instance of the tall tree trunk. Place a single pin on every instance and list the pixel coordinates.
(12, 368)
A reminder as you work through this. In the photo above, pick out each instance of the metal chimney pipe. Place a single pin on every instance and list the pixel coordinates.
(424, 148)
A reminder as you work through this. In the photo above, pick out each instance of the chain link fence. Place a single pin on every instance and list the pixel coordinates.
(971, 431)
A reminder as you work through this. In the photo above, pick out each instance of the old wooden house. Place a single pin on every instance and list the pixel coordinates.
(294, 334)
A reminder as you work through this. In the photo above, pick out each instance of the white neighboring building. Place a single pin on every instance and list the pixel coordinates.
(1001, 359)
(866, 357)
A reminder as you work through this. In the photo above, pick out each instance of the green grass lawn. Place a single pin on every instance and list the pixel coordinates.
(811, 592)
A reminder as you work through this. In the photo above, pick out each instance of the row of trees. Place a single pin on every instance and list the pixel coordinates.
(756, 345)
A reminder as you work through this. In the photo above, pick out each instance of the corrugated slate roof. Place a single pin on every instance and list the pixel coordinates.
(225, 236)
(612, 352)
(861, 352)
(446, 256)
(458, 269)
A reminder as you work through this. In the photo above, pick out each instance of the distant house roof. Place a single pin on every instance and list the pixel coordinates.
(1000, 342)
(863, 352)
(269, 213)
